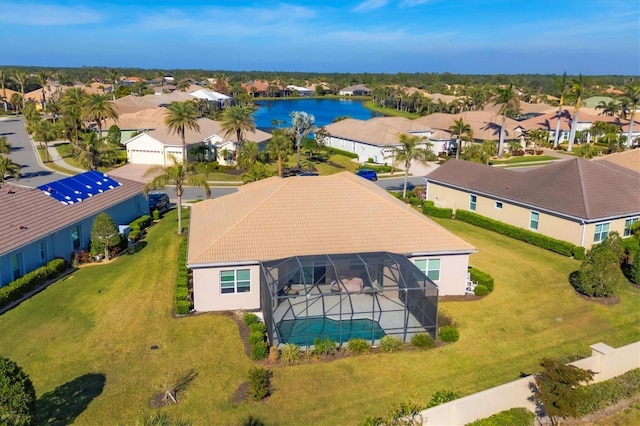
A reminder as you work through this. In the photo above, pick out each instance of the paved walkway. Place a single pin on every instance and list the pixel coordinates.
(59, 161)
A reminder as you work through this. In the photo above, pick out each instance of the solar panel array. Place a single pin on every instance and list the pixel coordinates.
(75, 189)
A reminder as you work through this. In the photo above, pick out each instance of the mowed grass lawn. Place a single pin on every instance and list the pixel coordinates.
(102, 320)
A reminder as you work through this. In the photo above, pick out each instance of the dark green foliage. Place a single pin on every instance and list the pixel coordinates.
(422, 341)
(578, 252)
(634, 272)
(429, 208)
(390, 343)
(181, 296)
(376, 168)
(442, 396)
(104, 234)
(481, 290)
(134, 234)
(17, 395)
(259, 350)
(30, 281)
(415, 201)
(449, 334)
(558, 388)
(259, 383)
(259, 327)
(140, 223)
(514, 417)
(114, 135)
(256, 337)
(599, 272)
(561, 247)
(481, 278)
(290, 353)
(250, 318)
(324, 346)
(631, 247)
(358, 346)
(598, 396)
(332, 150)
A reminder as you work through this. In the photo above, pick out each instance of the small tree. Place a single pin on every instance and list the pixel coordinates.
(17, 395)
(558, 388)
(599, 272)
(104, 234)
(114, 135)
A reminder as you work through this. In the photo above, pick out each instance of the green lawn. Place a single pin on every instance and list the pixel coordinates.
(525, 159)
(96, 327)
(391, 112)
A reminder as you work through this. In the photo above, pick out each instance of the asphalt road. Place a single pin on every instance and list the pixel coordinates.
(23, 152)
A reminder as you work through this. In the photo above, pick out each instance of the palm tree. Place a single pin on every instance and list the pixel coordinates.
(177, 175)
(510, 107)
(5, 147)
(113, 76)
(42, 77)
(279, 146)
(248, 155)
(480, 153)
(88, 151)
(97, 107)
(44, 132)
(302, 124)
(609, 109)
(20, 79)
(632, 95)
(182, 116)
(576, 88)
(71, 106)
(539, 137)
(3, 82)
(411, 149)
(561, 85)
(256, 172)
(462, 131)
(8, 168)
(238, 120)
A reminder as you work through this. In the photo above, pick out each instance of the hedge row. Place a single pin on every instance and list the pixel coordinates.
(513, 417)
(183, 305)
(598, 396)
(333, 150)
(30, 281)
(429, 208)
(561, 247)
(141, 223)
(481, 278)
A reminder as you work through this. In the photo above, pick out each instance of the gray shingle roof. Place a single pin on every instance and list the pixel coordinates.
(578, 188)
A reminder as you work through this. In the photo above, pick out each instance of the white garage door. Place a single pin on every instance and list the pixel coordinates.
(145, 157)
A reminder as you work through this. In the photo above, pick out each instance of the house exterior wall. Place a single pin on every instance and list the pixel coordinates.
(143, 149)
(453, 273)
(60, 244)
(207, 294)
(364, 151)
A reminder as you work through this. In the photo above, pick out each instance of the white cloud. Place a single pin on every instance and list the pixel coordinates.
(370, 5)
(47, 15)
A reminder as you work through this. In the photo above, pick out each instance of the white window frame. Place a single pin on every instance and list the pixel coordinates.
(601, 234)
(628, 223)
(536, 221)
(473, 202)
(239, 284)
(430, 267)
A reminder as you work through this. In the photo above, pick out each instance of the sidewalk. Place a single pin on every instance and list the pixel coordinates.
(59, 161)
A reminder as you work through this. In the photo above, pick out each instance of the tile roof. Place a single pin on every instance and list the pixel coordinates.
(208, 128)
(548, 121)
(578, 188)
(343, 213)
(132, 104)
(376, 131)
(28, 214)
(629, 159)
(150, 118)
(485, 124)
(355, 87)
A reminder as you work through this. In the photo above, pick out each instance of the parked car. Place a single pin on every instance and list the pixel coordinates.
(368, 174)
(159, 201)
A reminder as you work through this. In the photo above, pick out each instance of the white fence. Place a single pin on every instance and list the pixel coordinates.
(606, 361)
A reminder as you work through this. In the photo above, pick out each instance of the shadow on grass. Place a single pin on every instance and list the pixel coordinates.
(137, 247)
(62, 405)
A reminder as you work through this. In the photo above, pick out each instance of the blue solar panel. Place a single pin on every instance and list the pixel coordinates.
(76, 188)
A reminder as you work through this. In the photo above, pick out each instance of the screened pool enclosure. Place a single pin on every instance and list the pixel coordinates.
(346, 296)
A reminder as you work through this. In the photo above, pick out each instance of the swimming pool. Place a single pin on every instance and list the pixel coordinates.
(303, 331)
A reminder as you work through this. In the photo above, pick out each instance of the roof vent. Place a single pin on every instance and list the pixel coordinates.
(22, 227)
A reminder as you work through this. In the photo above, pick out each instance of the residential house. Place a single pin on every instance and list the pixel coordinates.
(133, 103)
(217, 99)
(301, 91)
(55, 220)
(577, 200)
(355, 90)
(131, 124)
(321, 247)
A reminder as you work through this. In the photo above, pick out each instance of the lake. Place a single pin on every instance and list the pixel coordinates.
(324, 110)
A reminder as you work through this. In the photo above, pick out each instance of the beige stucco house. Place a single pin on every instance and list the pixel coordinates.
(577, 200)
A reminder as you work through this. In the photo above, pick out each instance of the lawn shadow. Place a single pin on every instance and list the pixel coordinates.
(65, 403)
(135, 248)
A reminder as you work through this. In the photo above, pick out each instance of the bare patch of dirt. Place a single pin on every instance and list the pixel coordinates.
(158, 400)
(614, 300)
(240, 395)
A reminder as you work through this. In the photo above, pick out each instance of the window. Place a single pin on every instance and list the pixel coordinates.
(16, 265)
(235, 281)
(75, 237)
(628, 224)
(498, 205)
(430, 267)
(534, 220)
(602, 230)
(43, 251)
(472, 202)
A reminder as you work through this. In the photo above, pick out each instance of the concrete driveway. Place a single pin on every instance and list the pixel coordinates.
(32, 173)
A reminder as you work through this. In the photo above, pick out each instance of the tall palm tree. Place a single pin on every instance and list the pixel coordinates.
(632, 95)
(20, 79)
(97, 107)
(71, 106)
(88, 151)
(8, 168)
(510, 106)
(302, 124)
(44, 132)
(238, 120)
(177, 175)
(561, 86)
(609, 109)
(462, 131)
(279, 146)
(3, 82)
(410, 150)
(5, 147)
(113, 76)
(182, 116)
(42, 77)
(576, 88)
(248, 155)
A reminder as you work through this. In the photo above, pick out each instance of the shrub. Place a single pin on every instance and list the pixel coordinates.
(259, 383)
(290, 353)
(634, 273)
(183, 307)
(156, 214)
(17, 395)
(256, 337)
(250, 318)
(449, 334)
(415, 201)
(422, 341)
(513, 417)
(597, 396)
(442, 396)
(481, 290)
(30, 281)
(390, 343)
(259, 350)
(430, 209)
(578, 252)
(324, 346)
(259, 327)
(333, 150)
(134, 234)
(444, 319)
(181, 293)
(598, 273)
(561, 247)
(358, 346)
(481, 278)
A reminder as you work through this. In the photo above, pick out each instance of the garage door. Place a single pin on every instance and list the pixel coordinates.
(145, 157)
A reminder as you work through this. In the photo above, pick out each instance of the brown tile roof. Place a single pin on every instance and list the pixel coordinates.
(208, 128)
(629, 159)
(376, 131)
(548, 121)
(28, 214)
(343, 213)
(578, 188)
(485, 124)
(150, 118)
(131, 104)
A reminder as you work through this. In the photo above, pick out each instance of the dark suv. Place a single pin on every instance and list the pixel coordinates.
(159, 201)
(368, 174)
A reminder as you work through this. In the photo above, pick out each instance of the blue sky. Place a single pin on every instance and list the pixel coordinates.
(390, 36)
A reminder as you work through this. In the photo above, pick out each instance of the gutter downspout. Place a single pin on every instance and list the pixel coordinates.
(584, 228)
